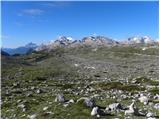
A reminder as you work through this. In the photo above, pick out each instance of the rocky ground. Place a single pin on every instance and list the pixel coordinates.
(107, 82)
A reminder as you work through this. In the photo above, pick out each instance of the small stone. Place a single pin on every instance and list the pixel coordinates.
(76, 65)
(21, 106)
(29, 94)
(60, 98)
(32, 116)
(91, 89)
(71, 101)
(150, 103)
(156, 106)
(113, 97)
(98, 116)
(39, 91)
(149, 114)
(76, 93)
(65, 105)
(18, 101)
(23, 115)
(32, 88)
(156, 97)
(45, 108)
(49, 112)
(24, 109)
(123, 96)
(50, 103)
(16, 84)
(143, 99)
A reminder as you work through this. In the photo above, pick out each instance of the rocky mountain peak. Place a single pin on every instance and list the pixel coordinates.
(142, 40)
(31, 45)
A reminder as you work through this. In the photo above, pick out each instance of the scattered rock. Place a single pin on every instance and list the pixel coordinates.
(39, 91)
(143, 99)
(60, 98)
(114, 106)
(71, 101)
(21, 106)
(130, 110)
(65, 105)
(76, 65)
(45, 108)
(29, 94)
(156, 96)
(89, 102)
(94, 111)
(32, 116)
(50, 112)
(16, 84)
(32, 88)
(156, 106)
(18, 101)
(149, 114)
(150, 103)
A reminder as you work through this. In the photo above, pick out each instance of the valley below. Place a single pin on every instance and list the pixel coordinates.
(81, 83)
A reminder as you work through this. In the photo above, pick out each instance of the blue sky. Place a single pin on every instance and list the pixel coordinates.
(38, 22)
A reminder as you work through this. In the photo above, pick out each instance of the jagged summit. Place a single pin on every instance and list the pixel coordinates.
(93, 41)
(142, 40)
(31, 45)
(98, 41)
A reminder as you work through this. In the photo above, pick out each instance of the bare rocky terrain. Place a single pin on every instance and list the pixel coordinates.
(83, 82)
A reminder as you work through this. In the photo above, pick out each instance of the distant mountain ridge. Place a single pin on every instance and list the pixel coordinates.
(3, 53)
(92, 41)
(20, 50)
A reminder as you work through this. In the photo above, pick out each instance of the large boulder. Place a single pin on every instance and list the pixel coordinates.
(88, 102)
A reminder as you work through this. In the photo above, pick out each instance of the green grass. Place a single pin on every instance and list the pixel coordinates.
(118, 86)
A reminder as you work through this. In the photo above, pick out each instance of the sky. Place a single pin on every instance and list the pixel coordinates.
(39, 22)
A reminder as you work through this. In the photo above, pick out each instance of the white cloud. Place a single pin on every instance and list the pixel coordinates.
(31, 12)
(49, 4)
(56, 4)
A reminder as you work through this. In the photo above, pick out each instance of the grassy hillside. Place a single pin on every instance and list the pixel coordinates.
(105, 73)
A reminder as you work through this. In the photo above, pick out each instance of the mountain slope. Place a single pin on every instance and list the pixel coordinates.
(3, 53)
(111, 74)
(20, 50)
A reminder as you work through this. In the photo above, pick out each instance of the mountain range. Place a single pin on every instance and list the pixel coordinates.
(92, 41)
